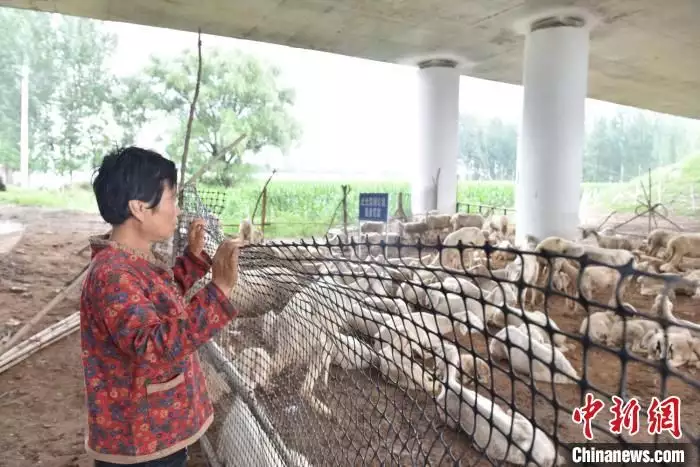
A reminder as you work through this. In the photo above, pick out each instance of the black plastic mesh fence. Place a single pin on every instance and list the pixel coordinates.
(348, 354)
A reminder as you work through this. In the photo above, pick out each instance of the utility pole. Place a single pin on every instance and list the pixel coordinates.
(24, 127)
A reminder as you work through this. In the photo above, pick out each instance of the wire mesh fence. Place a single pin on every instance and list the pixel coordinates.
(476, 208)
(461, 352)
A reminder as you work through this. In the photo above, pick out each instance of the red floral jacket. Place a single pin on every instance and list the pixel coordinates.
(145, 389)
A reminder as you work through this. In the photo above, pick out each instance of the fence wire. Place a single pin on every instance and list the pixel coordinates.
(348, 353)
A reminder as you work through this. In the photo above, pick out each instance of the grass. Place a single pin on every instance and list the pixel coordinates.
(676, 186)
(303, 209)
(74, 198)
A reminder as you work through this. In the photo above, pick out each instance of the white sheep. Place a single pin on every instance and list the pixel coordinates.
(499, 258)
(634, 333)
(654, 284)
(434, 340)
(460, 220)
(397, 339)
(501, 293)
(308, 333)
(598, 326)
(412, 229)
(597, 275)
(413, 294)
(526, 267)
(598, 278)
(647, 263)
(611, 242)
(438, 221)
(561, 246)
(662, 306)
(498, 223)
(449, 255)
(514, 344)
(372, 227)
(465, 309)
(677, 346)
(397, 365)
(666, 313)
(503, 436)
(249, 233)
(515, 316)
(658, 239)
(396, 305)
(562, 282)
(680, 245)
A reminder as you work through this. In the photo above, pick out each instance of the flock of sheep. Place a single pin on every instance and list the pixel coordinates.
(414, 318)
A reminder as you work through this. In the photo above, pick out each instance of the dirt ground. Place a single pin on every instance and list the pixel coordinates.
(41, 399)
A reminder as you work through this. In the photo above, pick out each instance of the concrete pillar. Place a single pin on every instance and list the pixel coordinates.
(551, 143)
(438, 138)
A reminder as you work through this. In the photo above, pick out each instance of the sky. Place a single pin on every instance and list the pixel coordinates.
(350, 109)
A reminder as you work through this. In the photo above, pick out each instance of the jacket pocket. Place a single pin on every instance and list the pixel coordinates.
(165, 386)
(169, 410)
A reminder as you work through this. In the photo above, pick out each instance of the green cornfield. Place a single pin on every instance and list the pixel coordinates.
(306, 208)
(298, 209)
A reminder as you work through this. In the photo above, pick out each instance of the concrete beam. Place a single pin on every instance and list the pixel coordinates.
(639, 51)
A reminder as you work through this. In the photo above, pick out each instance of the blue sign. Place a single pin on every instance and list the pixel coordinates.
(374, 207)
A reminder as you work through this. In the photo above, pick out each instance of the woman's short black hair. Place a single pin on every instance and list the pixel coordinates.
(131, 173)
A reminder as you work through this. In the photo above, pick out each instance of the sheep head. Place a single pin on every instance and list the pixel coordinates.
(245, 230)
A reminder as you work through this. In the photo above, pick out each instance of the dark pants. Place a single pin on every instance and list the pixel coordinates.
(177, 459)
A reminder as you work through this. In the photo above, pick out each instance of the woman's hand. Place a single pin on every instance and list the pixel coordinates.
(224, 270)
(195, 237)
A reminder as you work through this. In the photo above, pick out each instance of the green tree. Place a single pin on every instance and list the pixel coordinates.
(70, 89)
(488, 147)
(130, 106)
(630, 141)
(238, 95)
(500, 143)
(81, 101)
(27, 38)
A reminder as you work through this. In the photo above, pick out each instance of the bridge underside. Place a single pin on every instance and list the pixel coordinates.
(642, 52)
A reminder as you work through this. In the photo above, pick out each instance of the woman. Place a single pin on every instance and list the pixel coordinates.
(146, 394)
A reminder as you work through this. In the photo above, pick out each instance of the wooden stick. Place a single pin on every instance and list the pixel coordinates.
(255, 211)
(263, 214)
(436, 184)
(37, 344)
(211, 161)
(193, 105)
(39, 337)
(56, 332)
(400, 213)
(188, 134)
(50, 306)
(19, 348)
(330, 226)
(346, 190)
